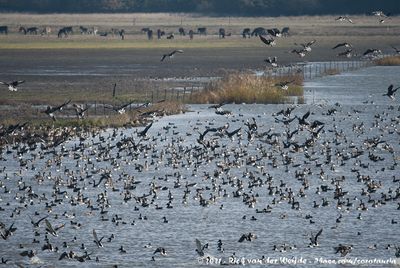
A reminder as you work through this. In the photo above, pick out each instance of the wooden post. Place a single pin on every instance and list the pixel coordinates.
(115, 86)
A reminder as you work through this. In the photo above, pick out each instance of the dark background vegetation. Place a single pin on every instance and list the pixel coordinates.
(209, 7)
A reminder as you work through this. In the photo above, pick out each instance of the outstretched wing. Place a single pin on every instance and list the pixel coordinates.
(199, 247)
(264, 40)
(163, 57)
(306, 115)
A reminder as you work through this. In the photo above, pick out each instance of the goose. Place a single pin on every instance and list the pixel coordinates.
(343, 249)
(51, 110)
(348, 53)
(12, 86)
(345, 44)
(268, 42)
(379, 13)
(272, 61)
(344, 18)
(307, 46)
(301, 52)
(80, 111)
(396, 49)
(171, 54)
(372, 51)
(314, 239)
(96, 240)
(390, 92)
(284, 84)
(200, 248)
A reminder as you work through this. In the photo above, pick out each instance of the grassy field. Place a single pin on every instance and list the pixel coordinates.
(83, 68)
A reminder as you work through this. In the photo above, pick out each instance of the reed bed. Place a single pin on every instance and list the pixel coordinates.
(249, 88)
(388, 61)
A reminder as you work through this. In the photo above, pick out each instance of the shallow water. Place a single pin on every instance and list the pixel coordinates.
(175, 138)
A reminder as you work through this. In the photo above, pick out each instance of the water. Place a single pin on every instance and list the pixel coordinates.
(171, 151)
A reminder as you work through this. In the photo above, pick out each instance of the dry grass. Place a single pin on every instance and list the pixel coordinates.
(331, 71)
(248, 88)
(388, 61)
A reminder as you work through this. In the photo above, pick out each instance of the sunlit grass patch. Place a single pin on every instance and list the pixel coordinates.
(249, 88)
(388, 61)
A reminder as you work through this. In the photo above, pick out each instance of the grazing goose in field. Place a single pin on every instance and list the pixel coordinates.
(390, 92)
(273, 61)
(344, 18)
(12, 86)
(51, 110)
(171, 54)
(345, 44)
(268, 42)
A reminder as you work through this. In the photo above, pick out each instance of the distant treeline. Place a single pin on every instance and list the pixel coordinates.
(210, 7)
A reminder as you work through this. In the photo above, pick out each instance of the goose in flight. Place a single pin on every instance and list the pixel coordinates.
(390, 92)
(200, 248)
(345, 44)
(171, 54)
(273, 61)
(372, 51)
(96, 240)
(301, 52)
(307, 46)
(379, 13)
(396, 49)
(344, 18)
(119, 109)
(12, 86)
(268, 42)
(348, 53)
(51, 110)
(314, 239)
(343, 249)
(80, 111)
(284, 84)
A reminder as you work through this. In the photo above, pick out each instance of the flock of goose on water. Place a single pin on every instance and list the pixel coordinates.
(69, 195)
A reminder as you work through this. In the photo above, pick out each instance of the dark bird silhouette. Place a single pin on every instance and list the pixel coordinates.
(344, 18)
(171, 54)
(343, 249)
(160, 250)
(80, 111)
(51, 230)
(36, 224)
(145, 130)
(300, 52)
(372, 51)
(96, 240)
(268, 42)
(200, 248)
(314, 239)
(273, 61)
(218, 105)
(345, 44)
(12, 86)
(302, 120)
(284, 84)
(119, 109)
(348, 53)
(390, 92)
(51, 110)
(307, 46)
(247, 237)
(8, 232)
(396, 49)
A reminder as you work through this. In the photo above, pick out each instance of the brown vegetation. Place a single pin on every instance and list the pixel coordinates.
(388, 61)
(249, 88)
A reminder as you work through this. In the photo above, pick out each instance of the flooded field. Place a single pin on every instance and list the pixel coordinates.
(279, 180)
